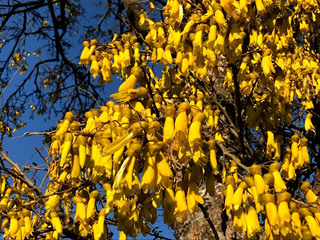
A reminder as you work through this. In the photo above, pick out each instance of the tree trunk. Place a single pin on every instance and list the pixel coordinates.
(198, 228)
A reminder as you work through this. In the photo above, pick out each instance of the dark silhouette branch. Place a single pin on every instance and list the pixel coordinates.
(207, 217)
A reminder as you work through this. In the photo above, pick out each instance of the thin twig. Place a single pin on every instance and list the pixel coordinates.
(21, 173)
(234, 158)
(36, 168)
(21, 136)
(31, 156)
(51, 133)
(44, 158)
(10, 81)
(83, 90)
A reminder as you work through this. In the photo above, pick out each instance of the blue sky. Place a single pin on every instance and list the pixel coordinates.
(22, 149)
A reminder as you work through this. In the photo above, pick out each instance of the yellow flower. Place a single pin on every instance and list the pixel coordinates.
(193, 197)
(81, 213)
(260, 7)
(167, 54)
(239, 220)
(229, 193)
(90, 125)
(218, 136)
(294, 148)
(259, 183)
(184, 66)
(94, 67)
(168, 206)
(68, 139)
(313, 226)
(267, 229)
(181, 123)
(268, 180)
(284, 213)
(174, 37)
(279, 184)
(75, 171)
(126, 57)
(286, 163)
(213, 158)
(122, 236)
(101, 219)
(106, 70)
(237, 197)
(14, 224)
(277, 146)
(220, 19)
(243, 7)
(27, 222)
(84, 52)
(136, 52)
(266, 64)
(168, 129)
(292, 171)
(195, 138)
(52, 202)
(220, 44)
(181, 204)
(163, 166)
(91, 208)
(230, 8)
(174, 7)
(272, 212)
(296, 223)
(304, 151)
(311, 196)
(142, 19)
(207, 15)
(109, 196)
(308, 124)
(197, 42)
(216, 118)
(149, 176)
(187, 27)
(270, 142)
(258, 180)
(253, 225)
(93, 44)
(56, 223)
(212, 33)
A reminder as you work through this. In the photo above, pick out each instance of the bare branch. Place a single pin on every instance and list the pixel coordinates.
(26, 180)
(233, 157)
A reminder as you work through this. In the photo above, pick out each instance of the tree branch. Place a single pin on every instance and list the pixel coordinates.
(235, 71)
(21, 173)
(234, 158)
(207, 217)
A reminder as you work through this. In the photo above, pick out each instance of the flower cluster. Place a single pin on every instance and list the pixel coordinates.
(162, 137)
(263, 51)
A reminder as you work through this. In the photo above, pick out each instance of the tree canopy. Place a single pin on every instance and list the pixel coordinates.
(40, 40)
(213, 91)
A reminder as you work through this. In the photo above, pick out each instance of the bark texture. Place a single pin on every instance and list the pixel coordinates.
(197, 228)
(134, 8)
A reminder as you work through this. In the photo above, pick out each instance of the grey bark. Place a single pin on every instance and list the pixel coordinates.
(134, 8)
(197, 228)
